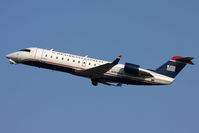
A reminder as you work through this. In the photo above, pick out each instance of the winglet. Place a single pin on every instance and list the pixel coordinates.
(116, 61)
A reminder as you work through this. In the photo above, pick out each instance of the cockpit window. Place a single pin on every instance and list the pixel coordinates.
(25, 50)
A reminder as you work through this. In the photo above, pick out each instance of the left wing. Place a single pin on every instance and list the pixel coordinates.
(98, 72)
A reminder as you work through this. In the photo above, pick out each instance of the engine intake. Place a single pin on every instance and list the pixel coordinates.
(131, 68)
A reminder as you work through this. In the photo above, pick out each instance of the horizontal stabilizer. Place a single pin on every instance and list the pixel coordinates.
(187, 60)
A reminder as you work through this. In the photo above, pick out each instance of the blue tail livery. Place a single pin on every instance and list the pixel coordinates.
(174, 66)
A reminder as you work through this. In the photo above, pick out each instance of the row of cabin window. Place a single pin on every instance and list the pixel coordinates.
(68, 60)
(78, 57)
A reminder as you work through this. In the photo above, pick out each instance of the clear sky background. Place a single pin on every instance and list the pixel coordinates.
(148, 33)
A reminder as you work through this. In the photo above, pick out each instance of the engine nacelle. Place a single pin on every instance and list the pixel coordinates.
(131, 68)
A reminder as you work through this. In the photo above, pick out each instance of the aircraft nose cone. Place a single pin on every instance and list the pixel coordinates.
(8, 56)
(11, 56)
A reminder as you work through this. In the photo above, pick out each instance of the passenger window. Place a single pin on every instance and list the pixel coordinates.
(62, 58)
(46, 55)
(51, 56)
(73, 60)
(78, 61)
(67, 59)
(56, 57)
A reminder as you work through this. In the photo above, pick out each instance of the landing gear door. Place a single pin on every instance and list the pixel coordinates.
(38, 54)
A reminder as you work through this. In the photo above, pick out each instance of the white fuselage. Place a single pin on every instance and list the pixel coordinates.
(68, 63)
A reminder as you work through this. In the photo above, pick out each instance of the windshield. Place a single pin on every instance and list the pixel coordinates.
(25, 50)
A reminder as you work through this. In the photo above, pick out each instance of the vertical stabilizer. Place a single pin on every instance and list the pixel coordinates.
(174, 66)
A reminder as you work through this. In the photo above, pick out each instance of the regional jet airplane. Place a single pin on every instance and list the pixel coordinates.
(100, 71)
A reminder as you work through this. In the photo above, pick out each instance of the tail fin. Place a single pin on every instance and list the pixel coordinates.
(174, 66)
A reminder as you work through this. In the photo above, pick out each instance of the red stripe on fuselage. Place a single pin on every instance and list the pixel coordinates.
(68, 66)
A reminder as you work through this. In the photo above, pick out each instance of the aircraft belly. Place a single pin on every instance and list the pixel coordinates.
(49, 66)
(115, 79)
